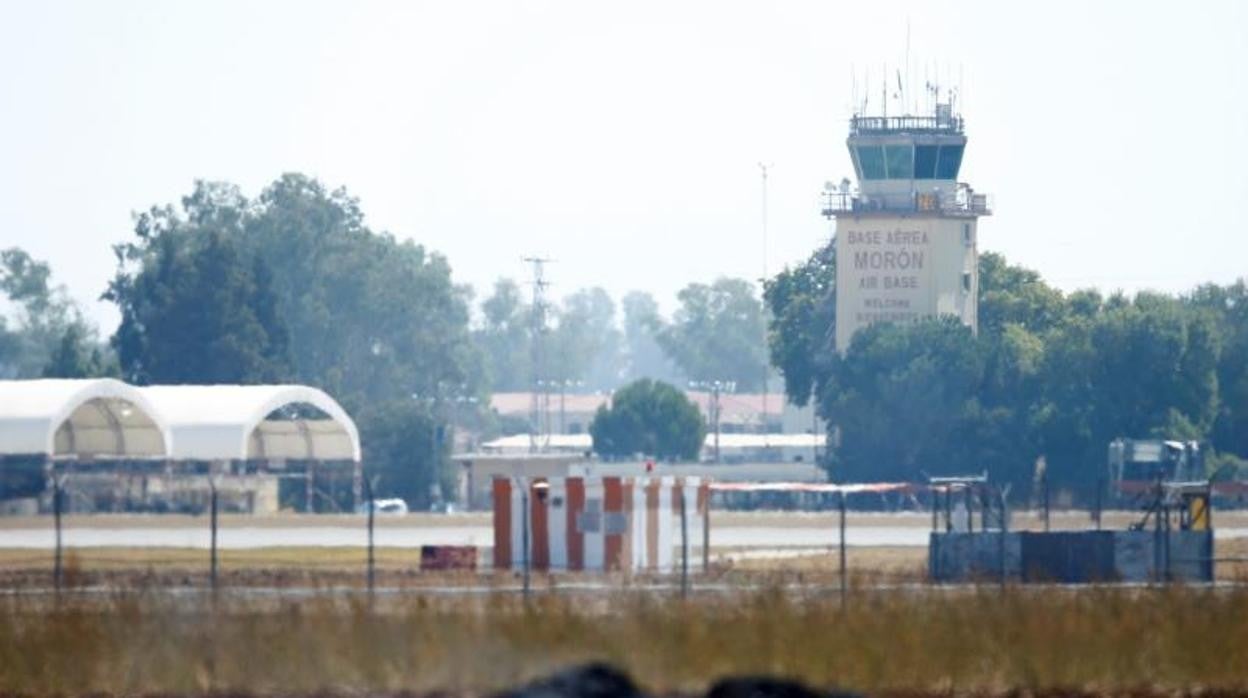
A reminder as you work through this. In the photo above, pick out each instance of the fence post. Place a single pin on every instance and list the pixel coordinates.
(684, 545)
(357, 483)
(706, 531)
(309, 504)
(1100, 492)
(1046, 502)
(1158, 561)
(1169, 572)
(58, 570)
(372, 512)
(841, 503)
(212, 570)
(524, 534)
(1001, 533)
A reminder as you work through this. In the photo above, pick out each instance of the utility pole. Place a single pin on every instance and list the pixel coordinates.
(715, 387)
(539, 408)
(763, 167)
(715, 416)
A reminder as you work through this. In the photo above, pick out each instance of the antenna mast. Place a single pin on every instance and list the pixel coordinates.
(539, 406)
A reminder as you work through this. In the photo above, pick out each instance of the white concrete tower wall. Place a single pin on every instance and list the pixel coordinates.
(901, 269)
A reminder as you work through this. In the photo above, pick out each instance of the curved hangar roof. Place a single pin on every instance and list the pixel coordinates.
(228, 422)
(87, 418)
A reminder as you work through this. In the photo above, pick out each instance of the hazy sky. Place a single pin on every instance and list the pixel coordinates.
(623, 139)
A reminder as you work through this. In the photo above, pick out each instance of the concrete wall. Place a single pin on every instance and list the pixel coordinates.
(1071, 557)
(1139, 554)
(965, 557)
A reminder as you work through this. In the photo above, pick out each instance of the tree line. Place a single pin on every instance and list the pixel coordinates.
(294, 286)
(1040, 391)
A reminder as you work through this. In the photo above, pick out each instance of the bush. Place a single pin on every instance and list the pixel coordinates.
(649, 418)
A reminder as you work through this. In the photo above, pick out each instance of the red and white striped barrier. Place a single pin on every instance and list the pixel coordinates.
(602, 523)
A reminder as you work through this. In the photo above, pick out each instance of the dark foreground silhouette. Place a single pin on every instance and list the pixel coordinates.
(604, 681)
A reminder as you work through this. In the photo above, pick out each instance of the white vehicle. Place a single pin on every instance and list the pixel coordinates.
(395, 507)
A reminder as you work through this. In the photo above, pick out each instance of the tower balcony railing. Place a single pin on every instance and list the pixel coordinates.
(963, 202)
(941, 123)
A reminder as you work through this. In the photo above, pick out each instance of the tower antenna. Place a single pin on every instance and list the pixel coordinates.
(960, 96)
(866, 89)
(853, 89)
(907, 107)
(539, 400)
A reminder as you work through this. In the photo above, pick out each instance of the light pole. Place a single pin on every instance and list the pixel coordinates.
(564, 386)
(715, 387)
(763, 168)
(434, 403)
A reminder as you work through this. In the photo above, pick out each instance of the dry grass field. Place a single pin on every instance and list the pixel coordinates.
(940, 641)
(127, 626)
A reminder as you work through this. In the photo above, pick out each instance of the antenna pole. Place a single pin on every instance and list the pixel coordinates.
(884, 92)
(906, 91)
(853, 89)
(539, 405)
(761, 288)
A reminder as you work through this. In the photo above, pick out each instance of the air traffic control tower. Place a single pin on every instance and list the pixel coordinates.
(906, 237)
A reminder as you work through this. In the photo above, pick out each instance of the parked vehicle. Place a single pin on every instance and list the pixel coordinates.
(1136, 465)
(393, 507)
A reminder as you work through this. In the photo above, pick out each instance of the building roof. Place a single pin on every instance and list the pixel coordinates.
(585, 442)
(735, 408)
(720, 472)
(229, 422)
(79, 417)
(573, 403)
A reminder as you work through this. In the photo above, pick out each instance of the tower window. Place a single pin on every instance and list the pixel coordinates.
(967, 237)
(900, 161)
(949, 161)
(966, 281)
(871, 159)
(925, 161)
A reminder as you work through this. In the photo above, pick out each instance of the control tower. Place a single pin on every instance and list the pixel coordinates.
(906, 236)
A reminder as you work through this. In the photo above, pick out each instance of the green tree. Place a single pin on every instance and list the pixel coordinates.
(299, 288)
(42, 314)
(643, 357)
(584, 346)
(1227, 306)
(900, 397)
(1048, 374)
(405, 449)
(503, 338)
(1010, 294)
(802, 327)
(1146, 368)
(197, 314)
(649, 418)
(717, 334)
(370, 318)
(76, 356)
